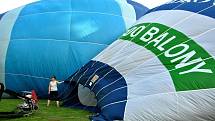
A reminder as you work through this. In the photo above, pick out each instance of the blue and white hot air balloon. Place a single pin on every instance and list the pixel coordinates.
(162, 69)
(56, 37)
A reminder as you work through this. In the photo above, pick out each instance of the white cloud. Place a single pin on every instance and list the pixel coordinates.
(151, 3)
(6, 5)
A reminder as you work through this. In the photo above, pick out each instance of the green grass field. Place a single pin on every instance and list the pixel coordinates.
(51, 113)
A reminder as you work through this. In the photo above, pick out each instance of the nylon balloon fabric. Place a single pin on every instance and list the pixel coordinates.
(161, 69)
(57, 37)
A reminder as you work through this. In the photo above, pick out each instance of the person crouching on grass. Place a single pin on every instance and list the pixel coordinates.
(53, 91)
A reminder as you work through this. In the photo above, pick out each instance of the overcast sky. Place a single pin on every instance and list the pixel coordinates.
(6, 5)
(151, 3)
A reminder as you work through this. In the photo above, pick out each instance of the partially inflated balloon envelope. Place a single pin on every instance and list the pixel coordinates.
(56, 37)
(162, 69)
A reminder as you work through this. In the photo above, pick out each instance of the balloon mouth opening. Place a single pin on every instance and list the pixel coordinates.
(86, 96)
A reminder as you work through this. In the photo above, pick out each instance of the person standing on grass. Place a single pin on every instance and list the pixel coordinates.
(53, 91)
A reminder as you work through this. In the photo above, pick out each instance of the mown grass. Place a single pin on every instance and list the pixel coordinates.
(51, 113)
